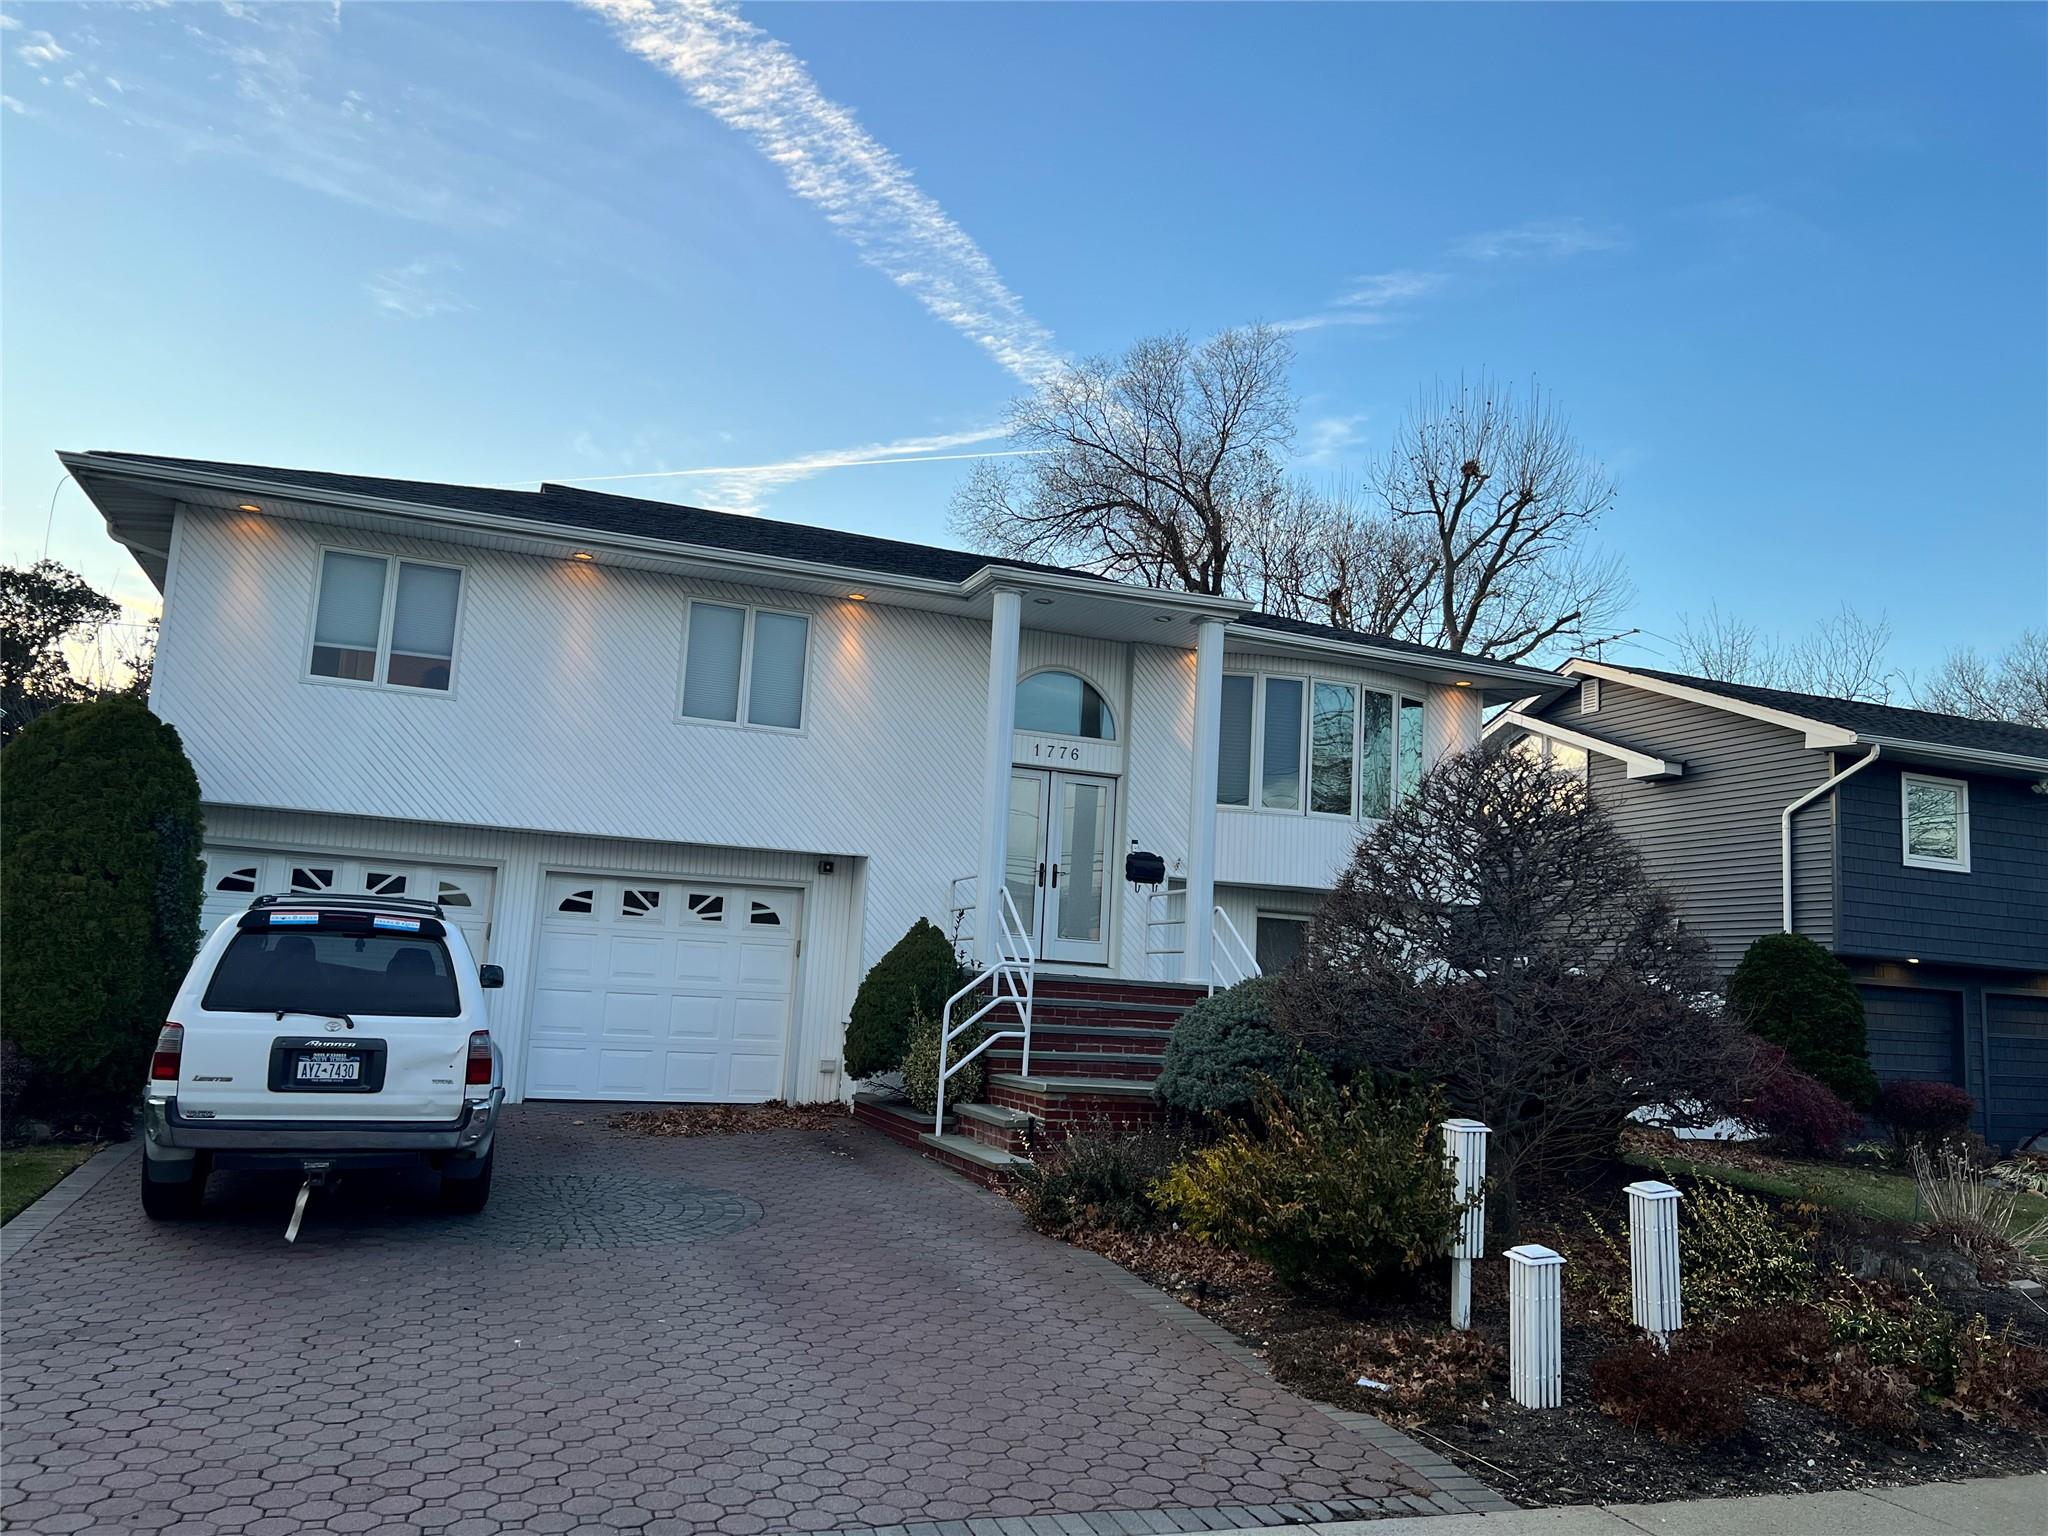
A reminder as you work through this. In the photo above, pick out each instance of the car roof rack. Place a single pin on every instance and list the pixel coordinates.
(329, 903)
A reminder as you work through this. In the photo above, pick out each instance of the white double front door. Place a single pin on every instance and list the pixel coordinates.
(1057, 865)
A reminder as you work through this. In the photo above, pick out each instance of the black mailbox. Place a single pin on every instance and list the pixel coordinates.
(1144, 869)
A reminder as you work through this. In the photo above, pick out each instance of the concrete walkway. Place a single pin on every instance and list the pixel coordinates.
(1992, 1506)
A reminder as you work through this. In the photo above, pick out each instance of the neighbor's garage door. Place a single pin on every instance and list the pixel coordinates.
(2017, 1043)
(236, 875)
(1914, 1033)
(660, 989)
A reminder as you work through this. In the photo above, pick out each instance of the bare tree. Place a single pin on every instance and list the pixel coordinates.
(42, 608)
(1147, 465)
(1842, 657)
(2010, 686)
(1498, 935)
(1166, 465)
(1506, 498)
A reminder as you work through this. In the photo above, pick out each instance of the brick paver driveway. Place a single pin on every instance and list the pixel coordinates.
(801, 1331)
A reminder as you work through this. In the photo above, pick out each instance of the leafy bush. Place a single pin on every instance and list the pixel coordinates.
(920, 972)
(1880, 1399)
(1780, 1348)
(1091, 1181)
(1736, 1255)
(99, 905)
(1800, 1113)
(1924, 1114)
(1220, 1048)
(2000, 1377)
(921, 1064)
(1689, 1394)
(1896, 1326)
(1792, 992)
(1337, 1188)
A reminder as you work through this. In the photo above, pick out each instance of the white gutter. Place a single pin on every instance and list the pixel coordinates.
(1827, 787)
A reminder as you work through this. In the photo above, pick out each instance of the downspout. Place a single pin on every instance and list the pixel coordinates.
(1827, 787)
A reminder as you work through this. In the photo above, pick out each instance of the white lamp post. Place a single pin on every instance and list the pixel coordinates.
(1465, 1151)
(1653, 1258)
(1535, 1326)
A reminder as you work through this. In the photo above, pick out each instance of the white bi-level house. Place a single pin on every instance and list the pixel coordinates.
(685, 775)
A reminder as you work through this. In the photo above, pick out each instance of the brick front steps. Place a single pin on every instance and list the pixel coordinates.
(1096, 1050)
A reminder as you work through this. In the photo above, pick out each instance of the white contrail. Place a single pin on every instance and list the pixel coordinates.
(752, 82)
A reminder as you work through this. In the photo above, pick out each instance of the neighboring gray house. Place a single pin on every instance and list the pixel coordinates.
(1912, 844)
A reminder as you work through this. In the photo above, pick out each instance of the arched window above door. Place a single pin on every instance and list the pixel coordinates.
(1062, 704)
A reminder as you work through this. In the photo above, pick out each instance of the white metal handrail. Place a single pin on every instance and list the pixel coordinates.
(1009, 979)
(1159, 914)
(1239, 964)
(960, 910)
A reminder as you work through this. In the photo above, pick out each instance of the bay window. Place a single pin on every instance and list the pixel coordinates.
(381, 620)
(1315, 746)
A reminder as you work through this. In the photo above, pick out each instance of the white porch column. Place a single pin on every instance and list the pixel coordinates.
(1004, 624)
(1198, 957)
(1451, 722)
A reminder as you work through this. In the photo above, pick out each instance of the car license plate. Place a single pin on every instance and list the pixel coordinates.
(328, 1067)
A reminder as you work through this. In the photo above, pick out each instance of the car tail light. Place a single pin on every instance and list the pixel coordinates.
(170, 1045)
(479, 1074)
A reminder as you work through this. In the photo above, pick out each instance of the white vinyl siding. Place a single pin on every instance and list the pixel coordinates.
(758, 654)
(1934, 817)
(370, 628)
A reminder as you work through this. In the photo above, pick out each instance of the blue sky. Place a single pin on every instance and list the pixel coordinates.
(1785, 267)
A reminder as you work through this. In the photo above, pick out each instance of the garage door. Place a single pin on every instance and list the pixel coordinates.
(2017, 1043)
(661, 990)
(1914, 1033)
(235, 875)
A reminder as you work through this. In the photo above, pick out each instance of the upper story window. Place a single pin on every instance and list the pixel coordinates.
(745, 666)
(1936, 817)
(1562, 756)
(1061, 704)
(384, 620)
(1315, 746)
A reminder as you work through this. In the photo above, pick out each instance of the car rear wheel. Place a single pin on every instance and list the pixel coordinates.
(469, 1194)
(173, 1202)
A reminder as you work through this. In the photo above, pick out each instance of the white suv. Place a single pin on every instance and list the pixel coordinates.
(323, 1034)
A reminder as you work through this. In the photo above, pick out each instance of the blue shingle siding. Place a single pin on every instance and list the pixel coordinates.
(1712, 836)
(1994, 915)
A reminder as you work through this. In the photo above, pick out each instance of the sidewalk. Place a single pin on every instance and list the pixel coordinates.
(1992, 1506)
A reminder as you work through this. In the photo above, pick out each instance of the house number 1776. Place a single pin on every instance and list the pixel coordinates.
(1056, 751)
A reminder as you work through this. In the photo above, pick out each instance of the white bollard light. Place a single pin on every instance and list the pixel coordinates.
(1653, 1258)
(1535, 1326)
(1465, 1151)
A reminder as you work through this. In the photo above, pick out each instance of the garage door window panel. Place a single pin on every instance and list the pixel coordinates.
(745, 666)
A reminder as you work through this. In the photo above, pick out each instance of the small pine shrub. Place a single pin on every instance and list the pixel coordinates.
(1790, 991)
(1219, 1050)
(921, 1064)
(1094, 1181)
(1799, 1112)
(99, 907)
(1924, 1114)
(1338, 1188)
(1738, 1257)
(920, 972)
(1687, 1395)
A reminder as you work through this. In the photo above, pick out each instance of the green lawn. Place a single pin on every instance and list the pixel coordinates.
(1868, 1192)
(25, 1172)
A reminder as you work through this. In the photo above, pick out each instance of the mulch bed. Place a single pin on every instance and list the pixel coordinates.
(730, 1119)
(1450, 1391)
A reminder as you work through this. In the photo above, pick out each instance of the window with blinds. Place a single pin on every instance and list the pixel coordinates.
(744, 666)
(383, 620)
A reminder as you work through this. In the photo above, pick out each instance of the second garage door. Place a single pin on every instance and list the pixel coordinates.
(662, 990)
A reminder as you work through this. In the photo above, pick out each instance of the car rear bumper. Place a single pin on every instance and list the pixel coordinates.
(468, 1133)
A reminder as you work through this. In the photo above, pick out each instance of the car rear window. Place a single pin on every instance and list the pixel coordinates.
(329, 973)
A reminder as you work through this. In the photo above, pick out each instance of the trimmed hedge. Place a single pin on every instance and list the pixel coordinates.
(919, 974)
(1221, 1048)
(99, 906)
(1790, 991)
